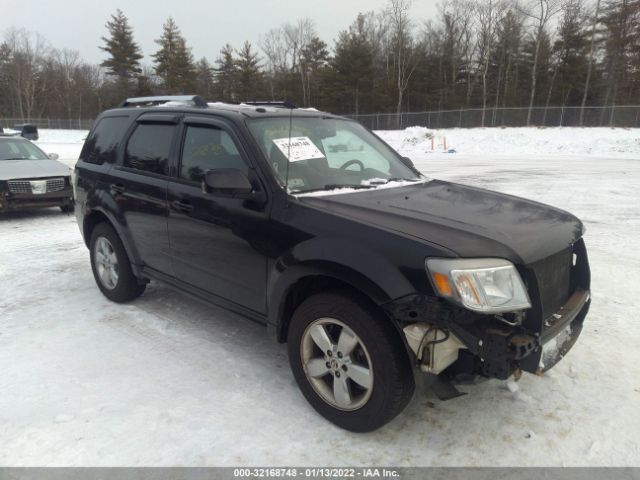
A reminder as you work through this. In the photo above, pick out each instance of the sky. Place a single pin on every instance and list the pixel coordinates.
(207, 25)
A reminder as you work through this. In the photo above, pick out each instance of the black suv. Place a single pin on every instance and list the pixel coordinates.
(368, 270)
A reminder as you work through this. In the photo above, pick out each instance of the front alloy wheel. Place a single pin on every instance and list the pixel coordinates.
(337, 364)
(349, 361)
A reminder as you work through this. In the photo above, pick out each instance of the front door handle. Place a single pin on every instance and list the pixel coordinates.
(116, 188)
(182, 206)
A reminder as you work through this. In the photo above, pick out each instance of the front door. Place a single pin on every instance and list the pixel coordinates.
(216, 240)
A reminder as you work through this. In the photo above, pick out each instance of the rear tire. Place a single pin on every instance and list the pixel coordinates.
(368, 361)
(111, 266)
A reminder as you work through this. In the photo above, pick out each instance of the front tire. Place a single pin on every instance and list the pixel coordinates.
(111, 266)
(349, 361)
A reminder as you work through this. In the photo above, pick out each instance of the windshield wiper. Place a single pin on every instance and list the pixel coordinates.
(16, 158)
(335, 186)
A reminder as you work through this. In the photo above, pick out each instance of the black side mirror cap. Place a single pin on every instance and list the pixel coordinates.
(408, 162)
(228, 181)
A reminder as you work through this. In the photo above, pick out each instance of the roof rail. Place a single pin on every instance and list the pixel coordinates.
(197, 100)
(276, 104)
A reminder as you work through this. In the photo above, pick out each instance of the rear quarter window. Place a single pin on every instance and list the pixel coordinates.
(149, 147)
(102, 144)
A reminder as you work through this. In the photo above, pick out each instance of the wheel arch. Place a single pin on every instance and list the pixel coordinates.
(98, 215)
(304, 280)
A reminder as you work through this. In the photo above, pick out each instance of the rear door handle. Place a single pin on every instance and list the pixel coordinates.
(182, 206)
(117, 188)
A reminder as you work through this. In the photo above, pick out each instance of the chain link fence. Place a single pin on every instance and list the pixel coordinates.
(54, 123)
(612, 116)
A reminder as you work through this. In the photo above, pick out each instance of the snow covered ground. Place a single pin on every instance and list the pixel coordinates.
(66, 143)
(169, 381)
(605, 142)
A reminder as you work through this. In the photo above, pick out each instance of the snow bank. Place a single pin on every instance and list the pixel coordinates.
(610, 142)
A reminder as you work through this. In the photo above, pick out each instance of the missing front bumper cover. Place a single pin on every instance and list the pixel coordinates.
(499, 348)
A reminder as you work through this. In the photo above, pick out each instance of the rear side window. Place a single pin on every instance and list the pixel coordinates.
(102, 146)
(149, 148)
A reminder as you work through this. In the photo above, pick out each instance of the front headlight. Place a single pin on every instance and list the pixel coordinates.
(487, 285)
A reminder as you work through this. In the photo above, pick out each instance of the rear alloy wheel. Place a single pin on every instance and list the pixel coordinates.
(106, 263)
(349, 361)
(111, 266)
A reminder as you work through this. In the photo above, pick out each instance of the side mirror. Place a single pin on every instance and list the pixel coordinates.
(229, 181)
(53, 156)
(407, 161)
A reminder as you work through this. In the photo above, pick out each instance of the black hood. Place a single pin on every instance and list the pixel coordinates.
(470, 221)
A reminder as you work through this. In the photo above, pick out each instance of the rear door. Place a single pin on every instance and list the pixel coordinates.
(216, 241)
(139, 186)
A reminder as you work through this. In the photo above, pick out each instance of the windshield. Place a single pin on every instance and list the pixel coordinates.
(326, 153)
(20, 150)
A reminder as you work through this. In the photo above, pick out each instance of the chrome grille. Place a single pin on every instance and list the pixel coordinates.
(55, 184)
(24, 186)
(19, 186)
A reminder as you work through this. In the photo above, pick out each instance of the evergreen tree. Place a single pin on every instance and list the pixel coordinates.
(124, 53)
(314, 58)
(353, 69)
(174, 61)
(571, 49)
(226, 74)
(204, 78)
(621, 34)
(249, 76)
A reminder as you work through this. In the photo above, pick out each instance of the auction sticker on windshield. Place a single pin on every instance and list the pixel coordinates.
(298, 148)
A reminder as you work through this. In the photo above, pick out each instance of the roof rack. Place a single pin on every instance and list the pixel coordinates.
(196, 100)
(276, 104)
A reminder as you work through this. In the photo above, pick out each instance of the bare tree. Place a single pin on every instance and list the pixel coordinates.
(405, 59)
(590, 65)
(273, 46)
(25, 74)
(68, 62)
(540, 12)
(297, 38)
(487, 14)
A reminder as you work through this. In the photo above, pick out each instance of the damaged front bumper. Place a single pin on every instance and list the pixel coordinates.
(490, 345)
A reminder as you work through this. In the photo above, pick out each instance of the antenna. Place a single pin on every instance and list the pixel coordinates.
(286, 181)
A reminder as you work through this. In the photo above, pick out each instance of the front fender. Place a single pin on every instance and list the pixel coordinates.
(359, 266)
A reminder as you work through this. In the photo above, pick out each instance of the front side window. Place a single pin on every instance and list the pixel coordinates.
(20, 150)
(208, 148)
(316, 153)
(149, 148)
